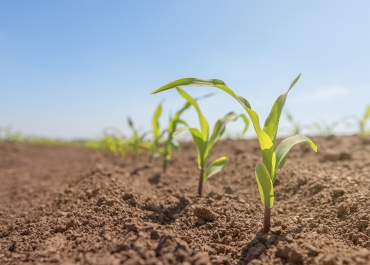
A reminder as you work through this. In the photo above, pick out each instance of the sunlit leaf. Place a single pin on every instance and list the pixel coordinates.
(284, 147)
(200, 145)
(272, 122)
(265, 186)
(246, 123)
(202, 120)
(155, 121)
(216, 166)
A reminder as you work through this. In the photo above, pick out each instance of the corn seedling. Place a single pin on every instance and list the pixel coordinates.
(363, 121)
(203, 142)
(297, 128)
(322, 128)
(273, 159)
(157, 134)
(136, 141)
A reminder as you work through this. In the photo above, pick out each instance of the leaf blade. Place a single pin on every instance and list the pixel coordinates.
(265, 186)
(202, 120)
(215, 167)
(272, 121)
(284, 147)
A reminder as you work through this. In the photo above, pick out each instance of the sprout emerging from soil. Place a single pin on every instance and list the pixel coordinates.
(273, 160)
(203, 142)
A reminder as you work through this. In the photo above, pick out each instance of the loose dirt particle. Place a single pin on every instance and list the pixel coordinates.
(205, 214)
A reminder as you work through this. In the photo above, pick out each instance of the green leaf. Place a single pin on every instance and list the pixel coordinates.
(130, 123)
(216, 166)
(179, 130)
(200, 144)
(265, 142)
(204, 82)
(202, 120)
(174, 144)
(155, 122)
(183, 123)
(173, 122)
(198, 141)
(246, 122)
(190, 82)
(219, 128)
(365, 117)
(265, 186)
(272, 122)
(266, 145)
(284, 147)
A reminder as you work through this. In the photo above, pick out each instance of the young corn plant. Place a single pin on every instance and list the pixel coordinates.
(157, 134)
(273, 159)
(171, 143)
(322, 128)
(297, 128)
(204, 143)
(136, 141)
(363, 121)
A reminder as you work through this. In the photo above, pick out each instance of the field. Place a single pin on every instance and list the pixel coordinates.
(73, 205)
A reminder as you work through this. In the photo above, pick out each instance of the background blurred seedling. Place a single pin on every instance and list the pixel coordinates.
(152, 146)
(203, 142)
(273, 160)
(136, 141)
(296, 126)
(363, 121)
(322, 128)
(8, 134)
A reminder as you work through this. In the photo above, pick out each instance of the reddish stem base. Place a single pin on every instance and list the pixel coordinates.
(200, 186)
(266, 220)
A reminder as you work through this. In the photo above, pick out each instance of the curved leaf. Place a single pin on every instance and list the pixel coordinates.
(264, 140)
(216, 166)
(284, 147)
(155, 122)
(203, 82)
(183, 123)
(173, 121)
(265, 186)
(200, 144)
(174, 144)
(190, 82)
(219, 128)
(198, 141)
(202, 120)
(131, 123)
(246, 123)
(180, 130)
(272, 122)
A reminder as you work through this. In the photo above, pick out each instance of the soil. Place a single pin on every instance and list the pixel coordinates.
(72, 205)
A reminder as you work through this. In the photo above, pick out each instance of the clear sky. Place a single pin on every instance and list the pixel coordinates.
(70, 68)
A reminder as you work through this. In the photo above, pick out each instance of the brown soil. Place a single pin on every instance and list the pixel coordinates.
(71, 205)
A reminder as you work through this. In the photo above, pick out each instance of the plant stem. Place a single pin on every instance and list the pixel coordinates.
(164, 166)
(200, 186)
(266, 220)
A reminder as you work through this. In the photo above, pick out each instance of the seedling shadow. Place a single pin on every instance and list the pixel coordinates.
(166, 215)
(154, 179)
(136, 170)
(262, 242)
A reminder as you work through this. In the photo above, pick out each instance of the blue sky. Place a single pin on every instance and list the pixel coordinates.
(70, 68)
